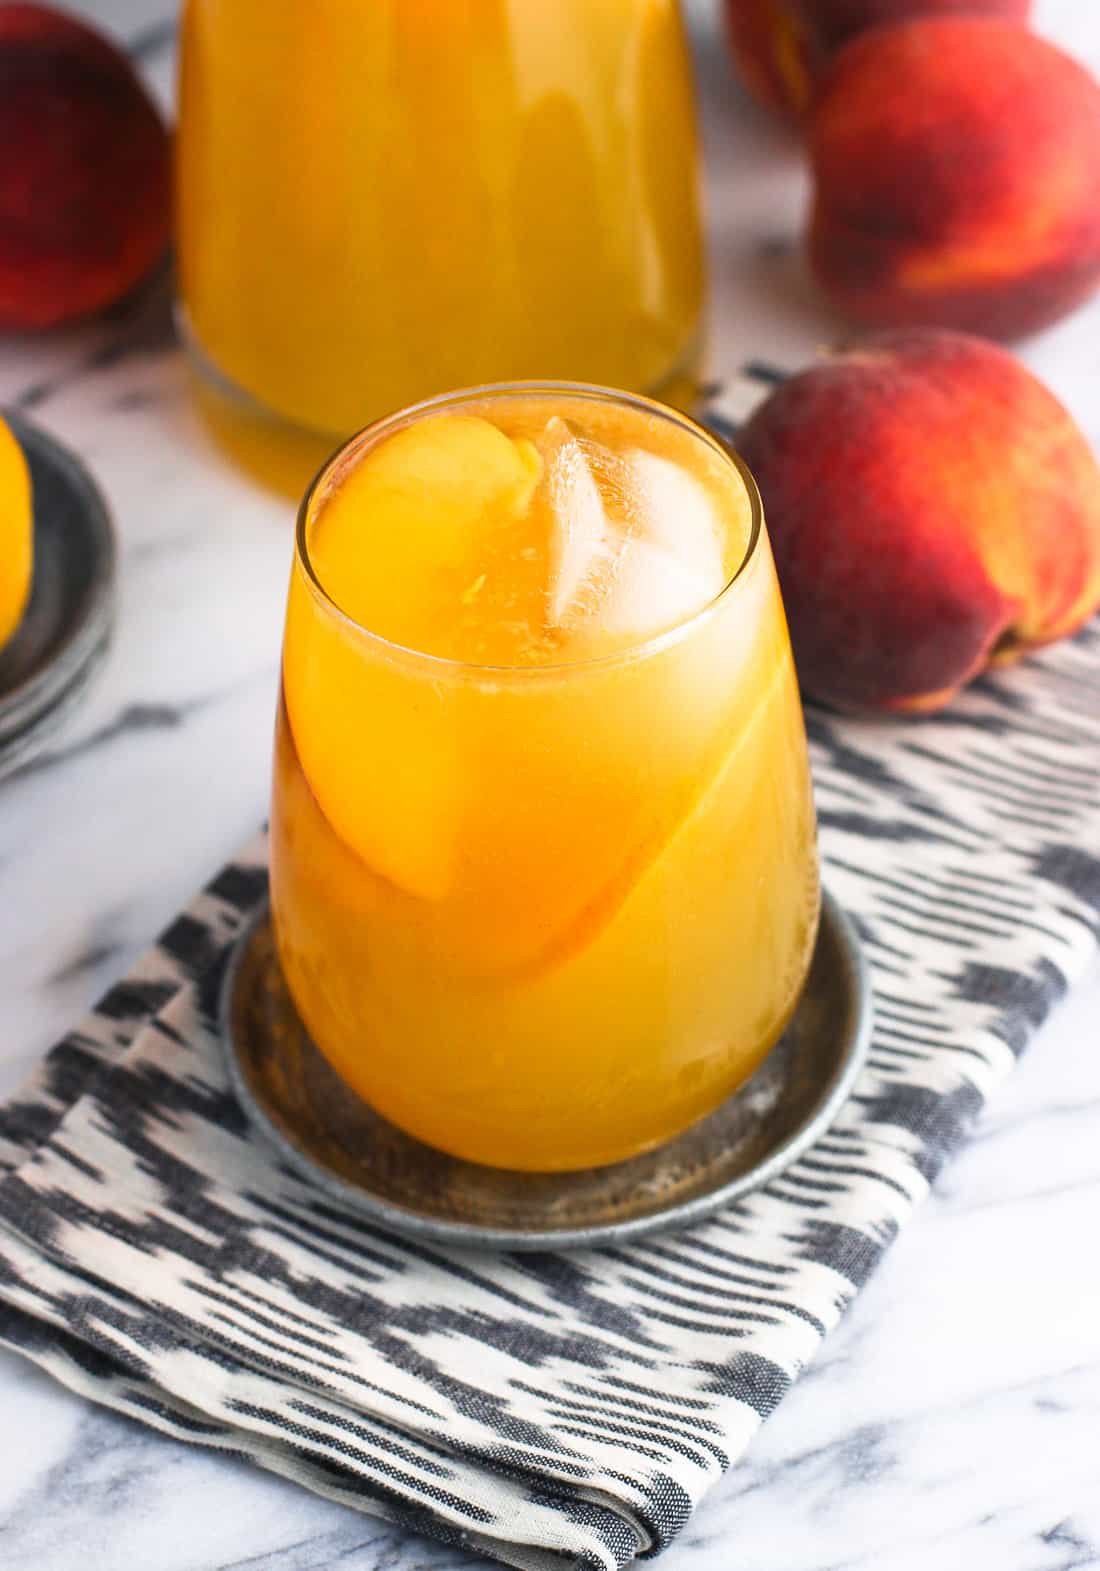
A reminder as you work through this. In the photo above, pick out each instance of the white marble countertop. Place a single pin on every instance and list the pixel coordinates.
(951, 1424)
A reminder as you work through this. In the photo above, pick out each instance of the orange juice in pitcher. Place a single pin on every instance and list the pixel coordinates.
(379, 202)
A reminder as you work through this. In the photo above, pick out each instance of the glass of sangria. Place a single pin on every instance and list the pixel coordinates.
(544, 868)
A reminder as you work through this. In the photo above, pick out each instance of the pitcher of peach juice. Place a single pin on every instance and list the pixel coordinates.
(544, 871)
(380, 201)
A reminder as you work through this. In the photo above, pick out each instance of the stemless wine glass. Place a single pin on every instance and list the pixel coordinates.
(379, 201)
(543, 914)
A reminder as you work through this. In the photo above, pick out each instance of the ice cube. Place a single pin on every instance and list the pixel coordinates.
(653, 589)
(581, 538)
(675, 511)
(636, 546)
(672, 564)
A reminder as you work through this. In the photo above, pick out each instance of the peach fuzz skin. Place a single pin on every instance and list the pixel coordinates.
(933, 509)
(957, 178)
(782, 46)
(85, 171)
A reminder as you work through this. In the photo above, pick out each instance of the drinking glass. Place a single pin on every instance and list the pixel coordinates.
(543, 915)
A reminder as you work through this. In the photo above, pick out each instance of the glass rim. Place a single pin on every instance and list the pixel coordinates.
(645, 647)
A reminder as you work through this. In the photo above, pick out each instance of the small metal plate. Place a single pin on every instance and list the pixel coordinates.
(321, 1128)
(47, 664)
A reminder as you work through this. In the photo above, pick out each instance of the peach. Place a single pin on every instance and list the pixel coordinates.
(782, 46)
(968, 194)
(85, 185)
(933, 509)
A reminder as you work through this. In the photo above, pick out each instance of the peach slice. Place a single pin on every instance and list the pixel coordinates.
(733, 767)
(377, 734)
(400, 533)
(16, 533)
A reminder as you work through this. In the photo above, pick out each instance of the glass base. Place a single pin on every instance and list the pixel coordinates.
(352, 1154)
(284, 456)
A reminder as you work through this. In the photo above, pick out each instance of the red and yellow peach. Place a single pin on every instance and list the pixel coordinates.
(967, 195)
(782, 46)
(85, 185)
(933, 509)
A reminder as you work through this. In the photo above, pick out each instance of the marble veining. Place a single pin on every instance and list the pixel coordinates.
(952, 1423)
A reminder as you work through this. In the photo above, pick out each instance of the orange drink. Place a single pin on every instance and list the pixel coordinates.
(379, 201)
(544, 871)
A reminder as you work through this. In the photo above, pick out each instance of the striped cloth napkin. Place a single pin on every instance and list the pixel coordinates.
(552, 1410)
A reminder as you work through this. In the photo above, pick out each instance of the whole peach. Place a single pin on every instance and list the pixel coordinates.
(85, 186)
(957, 174)
(782, 46)
(932, 509)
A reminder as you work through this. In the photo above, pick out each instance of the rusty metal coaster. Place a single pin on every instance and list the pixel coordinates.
(321, 1128)
(55, 651)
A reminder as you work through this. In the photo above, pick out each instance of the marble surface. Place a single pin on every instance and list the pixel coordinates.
(954, 1419)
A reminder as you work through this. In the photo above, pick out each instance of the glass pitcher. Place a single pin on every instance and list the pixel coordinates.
(381, 201)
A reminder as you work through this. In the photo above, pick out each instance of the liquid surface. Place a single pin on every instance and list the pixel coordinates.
(541, 917)
(461, 194)
(531, 533)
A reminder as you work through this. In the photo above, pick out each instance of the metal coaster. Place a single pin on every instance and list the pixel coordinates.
(321, 1128)
(53, 654)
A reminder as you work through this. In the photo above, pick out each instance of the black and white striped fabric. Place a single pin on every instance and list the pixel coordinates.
(552, 1410)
